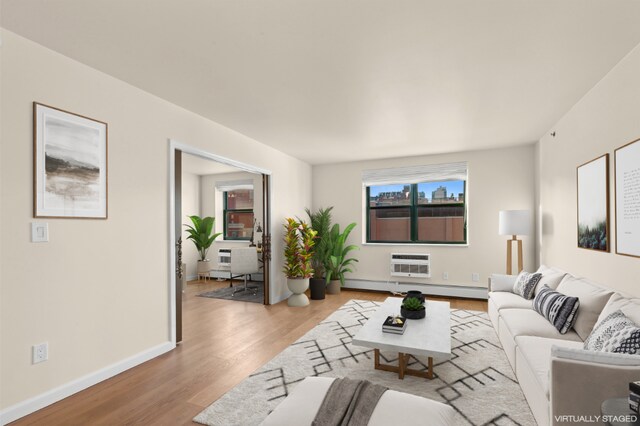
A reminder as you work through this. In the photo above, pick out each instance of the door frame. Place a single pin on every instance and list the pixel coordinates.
(188, 149)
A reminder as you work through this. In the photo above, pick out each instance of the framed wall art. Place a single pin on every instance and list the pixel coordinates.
(627, 192)
(69, 165)
(593, 204)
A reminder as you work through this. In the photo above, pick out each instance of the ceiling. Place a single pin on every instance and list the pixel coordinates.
(340, 80)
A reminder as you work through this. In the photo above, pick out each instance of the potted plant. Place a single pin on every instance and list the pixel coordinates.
(412, 308)
(336, 262)
(321, 223)
(201, 233)
(298, 244)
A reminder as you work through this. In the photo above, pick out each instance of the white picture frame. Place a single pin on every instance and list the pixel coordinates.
(70, 173)
(627, 199)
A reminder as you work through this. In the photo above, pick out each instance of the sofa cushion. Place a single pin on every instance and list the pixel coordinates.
(593, 297)
(526, 283)
(537, 353)
(504, 300)
(551, 277)
(527, 322)
(558, 309)
(605, 329)
(629, 306)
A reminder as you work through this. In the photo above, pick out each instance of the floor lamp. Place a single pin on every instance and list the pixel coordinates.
(514, 223)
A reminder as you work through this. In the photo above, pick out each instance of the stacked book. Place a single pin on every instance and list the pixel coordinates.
(394, 324)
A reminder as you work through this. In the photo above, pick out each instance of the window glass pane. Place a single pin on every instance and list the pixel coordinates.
(389, 195)
(447, 192)
(240, 199)
(239, 225)
(390, 224)
(441, 223)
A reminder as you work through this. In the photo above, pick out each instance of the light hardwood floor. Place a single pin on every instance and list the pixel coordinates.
(224, 341)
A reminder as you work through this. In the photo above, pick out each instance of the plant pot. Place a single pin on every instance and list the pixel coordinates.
(298, 286)
(317, 287)
(419, 314)
(204, 266)
(333, 287)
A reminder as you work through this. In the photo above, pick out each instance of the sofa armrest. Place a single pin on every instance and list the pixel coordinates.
(501, 282)
(581, 380)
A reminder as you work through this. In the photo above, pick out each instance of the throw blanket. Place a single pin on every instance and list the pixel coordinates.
(348, 403)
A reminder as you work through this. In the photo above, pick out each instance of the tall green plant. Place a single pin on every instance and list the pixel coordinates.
(337, 263)
(321, 223)
(201, 233)
(298, 246)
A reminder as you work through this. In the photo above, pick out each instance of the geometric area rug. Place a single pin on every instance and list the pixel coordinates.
(477, 381)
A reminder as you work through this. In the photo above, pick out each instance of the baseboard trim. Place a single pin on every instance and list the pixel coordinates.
(38, 402)
(466, 292)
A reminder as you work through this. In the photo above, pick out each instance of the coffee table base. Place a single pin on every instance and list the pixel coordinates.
(402, 368)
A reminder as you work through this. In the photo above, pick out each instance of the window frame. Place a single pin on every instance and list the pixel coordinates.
(224, 219)
(413, 217)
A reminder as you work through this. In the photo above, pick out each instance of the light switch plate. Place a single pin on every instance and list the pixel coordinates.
(39, 232)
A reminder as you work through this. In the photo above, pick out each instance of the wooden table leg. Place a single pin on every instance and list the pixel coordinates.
(430, 370)
(401, 365)
(376, 359)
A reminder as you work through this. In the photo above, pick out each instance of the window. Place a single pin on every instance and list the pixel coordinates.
(431, 211)
(238, 214)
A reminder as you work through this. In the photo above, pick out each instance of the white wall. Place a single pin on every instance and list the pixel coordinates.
(190, 206)
(98, 291)
(605, 119)
(498, 179)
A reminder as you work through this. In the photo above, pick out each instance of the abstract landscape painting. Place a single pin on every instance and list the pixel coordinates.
(70, 165)
(593, 204)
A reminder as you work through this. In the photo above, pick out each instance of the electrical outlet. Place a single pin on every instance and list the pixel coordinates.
(40, 352)
(475, 277)
(445, 276)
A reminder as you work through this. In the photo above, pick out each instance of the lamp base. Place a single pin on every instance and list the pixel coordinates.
(510, 257)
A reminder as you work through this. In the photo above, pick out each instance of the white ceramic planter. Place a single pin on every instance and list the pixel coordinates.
(298, 286)
(204, 266)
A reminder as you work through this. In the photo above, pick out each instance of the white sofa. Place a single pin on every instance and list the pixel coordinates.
(557, 376)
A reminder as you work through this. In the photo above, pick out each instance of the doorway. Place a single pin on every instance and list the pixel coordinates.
(217, 177)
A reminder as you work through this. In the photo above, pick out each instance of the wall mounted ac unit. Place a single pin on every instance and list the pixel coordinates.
(415, 265)
(224, 257)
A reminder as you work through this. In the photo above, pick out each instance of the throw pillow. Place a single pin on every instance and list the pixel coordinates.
(625, 340)
(606, 329)
(526, 284)
(558, 309)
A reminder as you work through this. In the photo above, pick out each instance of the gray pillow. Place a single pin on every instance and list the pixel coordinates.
(606, 329)
(526, 284)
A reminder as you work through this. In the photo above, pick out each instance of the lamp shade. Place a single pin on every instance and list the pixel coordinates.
(514, 222)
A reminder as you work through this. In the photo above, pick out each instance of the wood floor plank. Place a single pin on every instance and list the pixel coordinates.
(224, 342)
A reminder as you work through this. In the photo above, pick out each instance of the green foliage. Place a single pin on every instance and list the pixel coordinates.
(298, 247)
(321, 223)
(593, 238)
(201, 233)
(336, 263)
(412, 304)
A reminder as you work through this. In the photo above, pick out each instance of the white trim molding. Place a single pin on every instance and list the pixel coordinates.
(31, 405)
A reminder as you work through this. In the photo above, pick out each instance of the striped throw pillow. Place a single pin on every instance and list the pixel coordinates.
(558, 309)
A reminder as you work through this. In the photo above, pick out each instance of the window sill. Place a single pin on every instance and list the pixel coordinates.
(416, 244)
(233, 242)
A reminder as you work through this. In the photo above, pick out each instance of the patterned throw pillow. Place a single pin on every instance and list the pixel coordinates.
(526, 284)
(558, 309)
(606, 329)
(626, 340)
